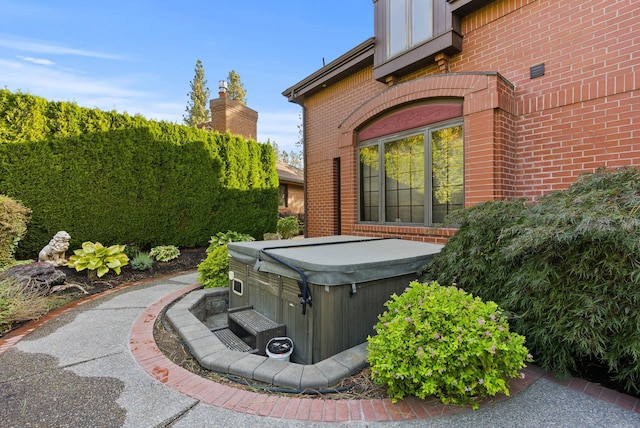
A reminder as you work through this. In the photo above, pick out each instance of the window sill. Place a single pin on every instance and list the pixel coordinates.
(449, 43)
(437, 234)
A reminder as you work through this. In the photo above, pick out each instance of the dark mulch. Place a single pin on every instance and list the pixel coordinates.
(189, 259)
(359, 385)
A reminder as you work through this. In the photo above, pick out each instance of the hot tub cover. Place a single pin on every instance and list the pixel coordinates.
(336, 260)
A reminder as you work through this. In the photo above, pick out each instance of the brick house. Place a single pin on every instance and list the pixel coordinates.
(291, 190)
(455, 102)
(231, 115)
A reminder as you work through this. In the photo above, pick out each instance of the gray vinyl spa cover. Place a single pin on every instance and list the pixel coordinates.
(336, 260)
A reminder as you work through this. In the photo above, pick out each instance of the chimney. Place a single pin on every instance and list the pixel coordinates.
(222, 88)
(231, 115)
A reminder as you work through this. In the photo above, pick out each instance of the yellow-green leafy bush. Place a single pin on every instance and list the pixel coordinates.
(440, 341)
(98, 258)
(214, 270)
(13, 226)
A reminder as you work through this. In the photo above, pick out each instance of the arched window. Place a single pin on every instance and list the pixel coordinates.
(414, 176)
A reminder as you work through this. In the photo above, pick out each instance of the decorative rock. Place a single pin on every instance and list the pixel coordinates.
(39, 275)
(53, 252)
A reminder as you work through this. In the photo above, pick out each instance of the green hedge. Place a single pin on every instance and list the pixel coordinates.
(113, 178)
(567, 268)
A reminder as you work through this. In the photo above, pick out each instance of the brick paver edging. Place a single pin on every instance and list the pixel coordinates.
(152, 360)
(21, 332)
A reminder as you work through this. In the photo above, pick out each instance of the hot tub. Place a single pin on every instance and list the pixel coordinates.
(328, 292)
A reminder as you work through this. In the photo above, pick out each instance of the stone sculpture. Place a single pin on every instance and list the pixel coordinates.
(54, 252)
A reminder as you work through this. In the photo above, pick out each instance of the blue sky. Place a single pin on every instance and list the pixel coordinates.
(139, 56)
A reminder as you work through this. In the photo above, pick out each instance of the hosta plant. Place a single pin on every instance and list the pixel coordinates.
(440, 341)
(164, 253)
(222, 238)
(98, 259)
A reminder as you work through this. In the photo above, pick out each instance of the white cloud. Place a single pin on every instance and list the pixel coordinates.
(39, 61)
(58, 84)
(115, 93)
(36, 46)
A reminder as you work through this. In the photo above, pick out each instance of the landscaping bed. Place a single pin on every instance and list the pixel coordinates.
(189, 259)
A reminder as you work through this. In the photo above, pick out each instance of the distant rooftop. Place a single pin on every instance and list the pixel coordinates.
(289, 173)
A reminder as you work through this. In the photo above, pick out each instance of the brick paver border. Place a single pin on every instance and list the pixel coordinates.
(153, 361)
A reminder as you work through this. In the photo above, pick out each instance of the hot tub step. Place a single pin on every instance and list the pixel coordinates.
(232, 341)
(257, 325)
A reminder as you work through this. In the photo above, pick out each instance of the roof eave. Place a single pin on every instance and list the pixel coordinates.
(356, 59)
(465, 7)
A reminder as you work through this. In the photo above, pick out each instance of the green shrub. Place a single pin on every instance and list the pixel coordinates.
(441, 341)
(131, 251)
(13, 226)
(214, 270)
(222, 238)
(566, 267)
(164, 253)
(142, 261)
(153, 182)
(288, 227)
(19, 303)
(98, 259)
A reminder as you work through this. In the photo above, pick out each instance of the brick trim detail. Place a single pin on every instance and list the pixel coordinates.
(488, 109)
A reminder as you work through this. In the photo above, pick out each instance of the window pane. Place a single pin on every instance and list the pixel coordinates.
(369, 183)
(397, 32)
(404, 179)
(391, 214)
(283, 198)
(417, 212)
(421, 21)
(447, 172)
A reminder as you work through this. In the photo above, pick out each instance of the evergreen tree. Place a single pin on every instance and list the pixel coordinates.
(276, 149)
(293, 158)
(236, 91)
(300, 126)
(197, 107)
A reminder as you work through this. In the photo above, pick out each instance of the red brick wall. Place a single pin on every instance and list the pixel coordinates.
(523, 137)
(233, 116)
(582, 114)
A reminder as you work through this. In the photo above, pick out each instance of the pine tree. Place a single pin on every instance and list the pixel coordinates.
(300, 126)
(197, 107)
(236, 91)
